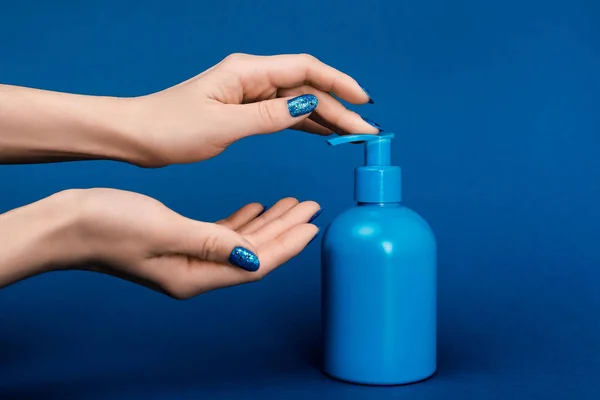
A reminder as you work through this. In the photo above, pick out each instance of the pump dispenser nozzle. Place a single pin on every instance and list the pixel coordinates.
(377, 181)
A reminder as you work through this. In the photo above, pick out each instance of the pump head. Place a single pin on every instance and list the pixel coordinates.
(377, 181)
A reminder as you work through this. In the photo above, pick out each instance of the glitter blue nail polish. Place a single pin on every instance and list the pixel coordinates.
(314, 237)
(245, 259)
(315, 216)
(302, 104)
(368, 94)
(372, 123)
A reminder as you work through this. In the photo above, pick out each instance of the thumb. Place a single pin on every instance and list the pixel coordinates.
(274, 115)
(216, 243)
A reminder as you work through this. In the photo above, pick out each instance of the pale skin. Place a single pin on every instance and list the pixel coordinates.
(135, 237)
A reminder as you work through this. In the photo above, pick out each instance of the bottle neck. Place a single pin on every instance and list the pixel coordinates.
(378, 184)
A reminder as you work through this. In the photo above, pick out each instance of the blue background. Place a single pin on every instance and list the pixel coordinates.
(496, 106)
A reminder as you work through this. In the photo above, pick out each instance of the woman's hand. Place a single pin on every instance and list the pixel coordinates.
(137, 238)
(246, 95)
(195, 120)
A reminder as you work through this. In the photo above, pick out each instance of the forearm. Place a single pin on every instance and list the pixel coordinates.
(38, 126)
(40, 237)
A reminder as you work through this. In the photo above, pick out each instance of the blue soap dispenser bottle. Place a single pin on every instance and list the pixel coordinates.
(379, 279)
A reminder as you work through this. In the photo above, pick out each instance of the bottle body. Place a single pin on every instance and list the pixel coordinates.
(379, 296)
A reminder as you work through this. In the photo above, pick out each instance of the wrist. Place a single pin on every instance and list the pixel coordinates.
(40, 237)
(136, 127)
(113, 129)
(122, 135)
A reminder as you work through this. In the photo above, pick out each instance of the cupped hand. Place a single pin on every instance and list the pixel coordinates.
(135, 237)
(245, 95)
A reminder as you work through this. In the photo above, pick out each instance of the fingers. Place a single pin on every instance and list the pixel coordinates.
(284, 247)
(274, 115)
(277, 210)
(332, 114)
(213, 242)
(292, 70)
(201, 276)
(299, 214)
(278, 237)
(221, 244)
(311, 126)
(268, 116)
(304, 85)
(242, 216)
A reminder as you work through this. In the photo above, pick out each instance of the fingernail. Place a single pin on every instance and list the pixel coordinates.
(315, 216)
(302, 104)
(265, 208)
(314, 237)
(372, 123)
(245, 259)
(368, 94)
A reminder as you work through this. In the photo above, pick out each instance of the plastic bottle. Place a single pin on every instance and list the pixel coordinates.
(379, 280)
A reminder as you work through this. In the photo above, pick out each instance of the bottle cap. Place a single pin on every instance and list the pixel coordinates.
(377, 181)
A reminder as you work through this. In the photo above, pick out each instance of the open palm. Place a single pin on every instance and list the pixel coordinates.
(137, 238)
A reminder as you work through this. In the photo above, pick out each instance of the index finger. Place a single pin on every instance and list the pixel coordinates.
(293, 70)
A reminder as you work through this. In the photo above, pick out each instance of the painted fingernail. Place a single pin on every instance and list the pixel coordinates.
(302, 104)
(372, 123)
(315, 216)
(265, 208)
(368, 94)
(245, 259)
(314, 237)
